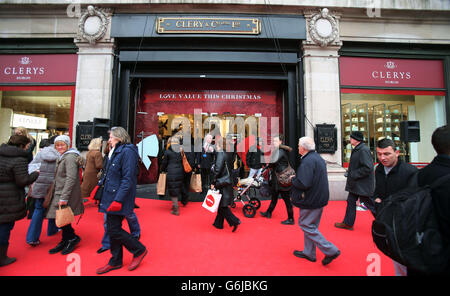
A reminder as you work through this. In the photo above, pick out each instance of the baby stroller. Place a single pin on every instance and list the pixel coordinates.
(242, 189)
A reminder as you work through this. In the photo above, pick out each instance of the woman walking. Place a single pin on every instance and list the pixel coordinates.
(279, 162)
(173, 164)
(94, 164)
(66, 192)
(13, 178)
(118, 199)
(47, 158)
(220, 170)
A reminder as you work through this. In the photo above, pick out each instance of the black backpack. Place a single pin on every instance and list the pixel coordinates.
(406, 229)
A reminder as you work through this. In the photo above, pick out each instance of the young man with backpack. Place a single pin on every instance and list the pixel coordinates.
(439, 167)
(391, 175)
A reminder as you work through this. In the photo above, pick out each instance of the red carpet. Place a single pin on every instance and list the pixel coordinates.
(189, 245)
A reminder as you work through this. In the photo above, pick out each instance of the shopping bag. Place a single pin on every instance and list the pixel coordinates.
(212, 200)
(64, 216)
(196, 183)
(161, 185)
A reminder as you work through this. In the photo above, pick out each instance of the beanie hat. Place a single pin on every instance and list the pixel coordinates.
(357, 135)
(63, 138)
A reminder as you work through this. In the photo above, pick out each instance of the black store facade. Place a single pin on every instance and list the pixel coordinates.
(220, 66)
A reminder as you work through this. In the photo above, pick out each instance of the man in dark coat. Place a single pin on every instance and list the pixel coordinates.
(311, 194)
(13, 178)
(440, 166)
(360, 180)
(391, 176)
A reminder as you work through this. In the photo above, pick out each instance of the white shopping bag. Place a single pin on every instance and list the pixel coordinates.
(212, 200)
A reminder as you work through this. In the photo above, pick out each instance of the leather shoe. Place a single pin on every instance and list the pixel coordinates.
(59, 247)
(343, 226)
(107, 268)
(101, 250)
(235, 226)
(71, 245)
(327, 260)
(266, 214)
(136, 261)
(288, 222)
(300, 254)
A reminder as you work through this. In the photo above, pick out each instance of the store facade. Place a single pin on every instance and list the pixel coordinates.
(37, 91)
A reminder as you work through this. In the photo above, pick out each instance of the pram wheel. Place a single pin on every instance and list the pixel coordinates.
(255, 202)
(249, 211)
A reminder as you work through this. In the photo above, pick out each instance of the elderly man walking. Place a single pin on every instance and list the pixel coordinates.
(311, 194)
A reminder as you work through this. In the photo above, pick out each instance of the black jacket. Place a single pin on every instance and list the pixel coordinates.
(253, 158)
(279, 162)
(361, 177)
(218, 171)
(398, 178)
(13, 178)
(172, 163)
(312, 180)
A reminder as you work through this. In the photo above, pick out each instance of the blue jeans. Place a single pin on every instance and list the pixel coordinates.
(133, 224)
(35, 228)
(5, 232)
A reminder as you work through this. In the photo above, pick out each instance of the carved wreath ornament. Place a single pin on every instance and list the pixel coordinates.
(323, 28)
(93, 24)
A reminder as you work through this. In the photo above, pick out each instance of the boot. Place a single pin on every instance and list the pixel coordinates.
(175, 211)
(4, 259)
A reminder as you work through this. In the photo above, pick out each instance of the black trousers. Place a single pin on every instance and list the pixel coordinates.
(68, 232)
(350, 212)
(119, 239)
(287, 200)
(224, 213)
(185, 188)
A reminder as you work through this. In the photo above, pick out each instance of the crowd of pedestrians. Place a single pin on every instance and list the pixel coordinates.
(55, 182)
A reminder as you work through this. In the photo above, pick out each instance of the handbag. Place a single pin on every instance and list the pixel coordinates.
(285, 177)
(161, 185)
(64, 216)
(96, 193)
(212, 200)
(48, 197)
(186, 166)
(196, 183)
(224, 180)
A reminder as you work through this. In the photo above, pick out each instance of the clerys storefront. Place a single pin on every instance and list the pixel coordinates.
(37, 92)
(378, 94)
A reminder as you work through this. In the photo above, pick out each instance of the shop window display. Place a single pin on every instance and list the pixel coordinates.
(378, 116)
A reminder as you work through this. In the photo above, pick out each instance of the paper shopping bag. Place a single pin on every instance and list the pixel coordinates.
(161, 185)
(212, 200)
(196, 183)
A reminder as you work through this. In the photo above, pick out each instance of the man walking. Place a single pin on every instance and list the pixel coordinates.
(360, 180)
(311, 194)
(391, 175)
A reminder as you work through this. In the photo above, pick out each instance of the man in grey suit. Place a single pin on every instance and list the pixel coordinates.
(310, 193)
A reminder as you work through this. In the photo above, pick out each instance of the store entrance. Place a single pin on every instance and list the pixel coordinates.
(237, 112)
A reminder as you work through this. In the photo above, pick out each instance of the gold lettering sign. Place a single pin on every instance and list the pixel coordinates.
(204, 25)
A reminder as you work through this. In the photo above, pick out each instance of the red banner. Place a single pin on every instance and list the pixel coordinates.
(38, 68)
(265, 97)
(378, 72)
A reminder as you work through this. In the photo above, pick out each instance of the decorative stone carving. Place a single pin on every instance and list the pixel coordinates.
(93, 24)
(323, 28)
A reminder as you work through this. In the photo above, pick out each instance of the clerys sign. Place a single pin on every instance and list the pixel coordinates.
(38, 68)
(380, 72)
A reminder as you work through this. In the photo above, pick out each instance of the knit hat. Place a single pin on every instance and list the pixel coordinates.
(357, 135)
(63, 138)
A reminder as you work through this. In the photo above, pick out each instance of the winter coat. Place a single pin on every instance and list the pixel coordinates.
(120, 179)
(361, 177)
(253, 159)
(206, 158)
(13, 178)
(47, 157)
(440, 166)
(399, 178)
(218, 171)
(311, 180)
(94, 163)
(279, 162)
(67, 184)
(173, 164)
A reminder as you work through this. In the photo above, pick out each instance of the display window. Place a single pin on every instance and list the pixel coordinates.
(44, 111)
(377, 94)
(234, 111)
